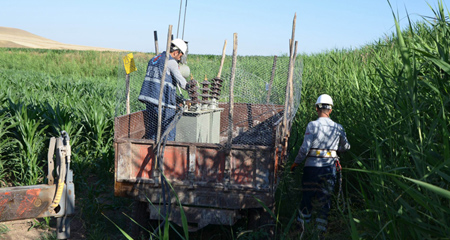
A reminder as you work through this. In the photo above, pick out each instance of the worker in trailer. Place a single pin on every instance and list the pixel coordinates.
(150, 90)
(322, 142)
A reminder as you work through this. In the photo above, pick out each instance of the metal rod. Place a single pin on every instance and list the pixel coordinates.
(184, 20)
(155, 35)
(222, 60)
(179, 17)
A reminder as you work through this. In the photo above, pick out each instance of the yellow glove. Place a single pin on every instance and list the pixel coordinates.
(294, 166)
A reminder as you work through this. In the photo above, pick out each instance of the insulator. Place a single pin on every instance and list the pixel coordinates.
(217, 80)
(192, 90)
(216, 84)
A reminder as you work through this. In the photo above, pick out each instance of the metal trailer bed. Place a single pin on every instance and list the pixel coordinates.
(213, 182)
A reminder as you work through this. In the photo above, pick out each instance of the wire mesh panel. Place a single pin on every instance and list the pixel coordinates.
(202, 110)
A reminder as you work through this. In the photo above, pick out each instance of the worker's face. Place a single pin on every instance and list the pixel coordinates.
(177, 55)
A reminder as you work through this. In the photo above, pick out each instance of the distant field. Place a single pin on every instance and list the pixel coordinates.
(17, 38)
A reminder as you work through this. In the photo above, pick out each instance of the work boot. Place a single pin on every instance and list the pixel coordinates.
(299, 224)
(305, 218)
(321, 225)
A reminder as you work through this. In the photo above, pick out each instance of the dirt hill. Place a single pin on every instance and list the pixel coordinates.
(17, 38)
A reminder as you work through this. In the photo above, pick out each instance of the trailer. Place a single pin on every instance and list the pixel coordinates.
(227, 156)
(211, 182)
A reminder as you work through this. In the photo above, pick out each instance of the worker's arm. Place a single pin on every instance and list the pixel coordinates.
(344, 145)
(176, 74)
(306, 145)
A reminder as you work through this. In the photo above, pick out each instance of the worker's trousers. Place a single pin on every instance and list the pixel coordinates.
(317, 186)
(151, 121)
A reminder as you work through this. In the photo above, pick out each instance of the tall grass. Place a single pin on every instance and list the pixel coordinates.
(410, 171)
(392, 97)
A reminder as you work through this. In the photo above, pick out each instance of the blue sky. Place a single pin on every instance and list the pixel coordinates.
(263, 27)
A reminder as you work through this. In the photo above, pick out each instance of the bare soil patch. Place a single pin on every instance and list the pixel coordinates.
(23, 229)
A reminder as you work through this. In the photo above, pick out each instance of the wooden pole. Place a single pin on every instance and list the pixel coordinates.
(291, 89)
(227, 171)
(274, 66)
(161, 91)
(223, 59)
(155, 35)
(127, 83)
(289, 79)
(231, 102)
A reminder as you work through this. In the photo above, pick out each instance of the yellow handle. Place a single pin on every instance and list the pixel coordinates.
(59, 192)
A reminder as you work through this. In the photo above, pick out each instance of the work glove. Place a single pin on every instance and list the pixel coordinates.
(294, 166)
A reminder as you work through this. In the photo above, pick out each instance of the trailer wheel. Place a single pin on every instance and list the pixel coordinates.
(141, 215)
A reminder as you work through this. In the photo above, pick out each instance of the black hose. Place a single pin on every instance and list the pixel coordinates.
(160, 147)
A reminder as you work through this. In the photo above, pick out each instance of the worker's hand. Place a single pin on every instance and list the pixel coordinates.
(294, 166)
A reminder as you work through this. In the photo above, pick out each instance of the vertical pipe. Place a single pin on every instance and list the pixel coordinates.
(179, 17)
(184, 20)
(155, 35)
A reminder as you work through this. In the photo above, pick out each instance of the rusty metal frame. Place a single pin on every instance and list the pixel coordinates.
(36, 201)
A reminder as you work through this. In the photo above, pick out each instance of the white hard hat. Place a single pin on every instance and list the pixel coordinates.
(324, 99)
(180, 44)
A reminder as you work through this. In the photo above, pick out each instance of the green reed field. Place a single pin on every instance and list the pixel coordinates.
(392, 97)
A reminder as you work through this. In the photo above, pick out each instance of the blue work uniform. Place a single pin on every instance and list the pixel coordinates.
(323, 140)
(150, 94)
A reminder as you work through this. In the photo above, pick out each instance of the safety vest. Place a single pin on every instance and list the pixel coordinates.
(152, 83)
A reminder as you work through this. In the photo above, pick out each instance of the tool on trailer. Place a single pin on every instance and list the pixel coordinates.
(45, 200)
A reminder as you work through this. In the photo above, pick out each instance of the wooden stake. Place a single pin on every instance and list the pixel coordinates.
(127, 83)
(227, 172)
(223, 59)
(231, 103)
(289, 80)
(274, 66)
(161, 91)
(291, 89)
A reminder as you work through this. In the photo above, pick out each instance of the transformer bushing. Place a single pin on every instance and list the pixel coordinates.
(205, 93)
(193, 94)
(216, 86)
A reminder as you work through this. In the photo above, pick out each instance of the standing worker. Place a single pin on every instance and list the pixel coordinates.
(151, 87)
(323, 140)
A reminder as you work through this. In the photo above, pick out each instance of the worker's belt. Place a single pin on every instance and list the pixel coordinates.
(324, 153)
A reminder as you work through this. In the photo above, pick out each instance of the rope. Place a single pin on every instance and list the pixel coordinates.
(340, 194)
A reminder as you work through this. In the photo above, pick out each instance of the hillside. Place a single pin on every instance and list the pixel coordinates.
(17, 38)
